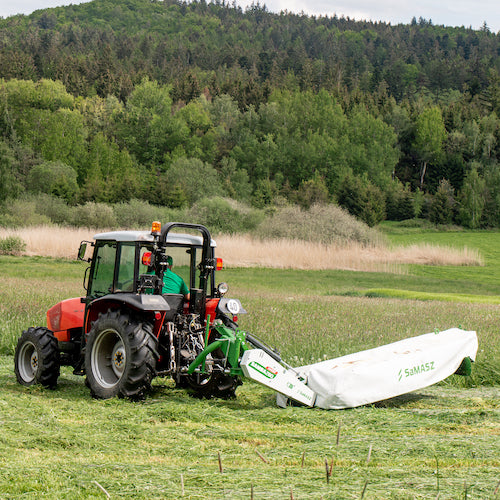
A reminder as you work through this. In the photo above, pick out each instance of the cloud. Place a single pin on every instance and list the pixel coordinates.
(28, 6)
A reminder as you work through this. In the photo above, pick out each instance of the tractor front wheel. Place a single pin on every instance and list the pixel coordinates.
(36, 358)
(120, 356)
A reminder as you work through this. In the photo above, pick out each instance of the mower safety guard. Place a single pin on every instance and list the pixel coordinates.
(390, 370)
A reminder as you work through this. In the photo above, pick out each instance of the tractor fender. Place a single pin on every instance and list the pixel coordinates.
(139, 302)
(65, 316)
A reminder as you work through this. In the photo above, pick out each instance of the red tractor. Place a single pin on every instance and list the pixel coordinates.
(125, 331)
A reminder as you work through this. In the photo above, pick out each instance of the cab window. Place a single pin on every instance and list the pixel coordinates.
(126, 267)
(103, 271)
(181, 262)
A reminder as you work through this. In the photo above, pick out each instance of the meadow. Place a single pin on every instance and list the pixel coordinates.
(440, 442)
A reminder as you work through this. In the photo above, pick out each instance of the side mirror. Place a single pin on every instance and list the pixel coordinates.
(82, 251)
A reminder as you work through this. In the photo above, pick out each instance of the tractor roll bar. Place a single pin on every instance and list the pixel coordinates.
(165, 229)
(206, 264)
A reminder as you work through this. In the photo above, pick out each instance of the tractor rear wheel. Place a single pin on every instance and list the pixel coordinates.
(36, 358)
(120, 356)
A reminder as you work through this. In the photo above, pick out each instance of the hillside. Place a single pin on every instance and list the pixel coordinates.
(388, 121)
(226, 48)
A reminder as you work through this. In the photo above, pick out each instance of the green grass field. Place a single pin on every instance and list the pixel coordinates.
(441, 442)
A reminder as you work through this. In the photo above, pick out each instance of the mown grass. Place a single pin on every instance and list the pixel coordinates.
(441, 442)
(62, 444)
(446, 297)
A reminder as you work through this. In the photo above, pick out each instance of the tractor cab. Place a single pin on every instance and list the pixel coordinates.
(120, 258)
(128, 267)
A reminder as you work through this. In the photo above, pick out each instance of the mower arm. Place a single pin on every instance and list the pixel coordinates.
(262, 364)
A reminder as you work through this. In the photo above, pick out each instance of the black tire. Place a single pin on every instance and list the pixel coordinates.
(215, 385)
(36, 358)
(120, 356)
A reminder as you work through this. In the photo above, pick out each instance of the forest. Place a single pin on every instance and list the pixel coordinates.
(172, 103)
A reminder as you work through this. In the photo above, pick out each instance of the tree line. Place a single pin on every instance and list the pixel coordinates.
(171, 102)
(107, 47)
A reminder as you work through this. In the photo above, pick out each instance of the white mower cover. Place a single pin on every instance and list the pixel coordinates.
(388, 371)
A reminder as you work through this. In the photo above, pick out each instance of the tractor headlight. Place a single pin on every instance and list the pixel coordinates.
(222, 288)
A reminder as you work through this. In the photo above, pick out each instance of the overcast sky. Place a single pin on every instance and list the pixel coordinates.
(448, 12)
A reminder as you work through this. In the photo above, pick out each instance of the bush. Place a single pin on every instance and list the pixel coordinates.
(94, 215)
(23, 212)
(312, 192)
(54, 208)
(139, 214)
(225, 216)
(12, 245)
(321, 223)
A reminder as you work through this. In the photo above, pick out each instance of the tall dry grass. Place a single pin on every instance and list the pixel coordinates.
(51, 241)
(246, 251)
(243, 251)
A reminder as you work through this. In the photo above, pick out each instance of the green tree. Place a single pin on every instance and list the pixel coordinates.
(236, 181)
(472, 199)
(399, 202)
(362, 199)
(226, 117)
(430, 133)
(491, 211)
(146, 127)
(443, 204)
(44, 94)
(54, 178)
(9, 187)
(108, 173)
(200, 140)
(59, 136)
(195, 178)
(372, 148)
(407, 209)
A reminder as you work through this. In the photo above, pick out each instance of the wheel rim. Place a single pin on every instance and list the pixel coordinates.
(108, 358)
(28, 362)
